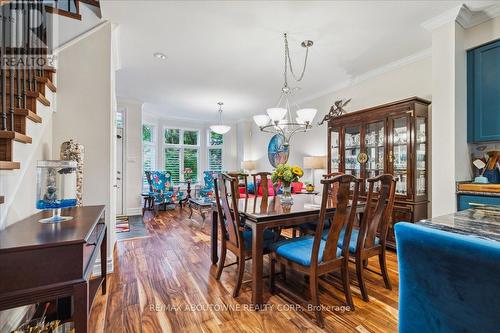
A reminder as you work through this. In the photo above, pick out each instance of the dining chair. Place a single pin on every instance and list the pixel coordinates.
(264, 179)
(316, 256)
(364, 242)
(239, 176)
(310, 227)
(234, 236)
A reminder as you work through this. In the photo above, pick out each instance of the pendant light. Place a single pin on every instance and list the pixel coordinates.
(220, 128)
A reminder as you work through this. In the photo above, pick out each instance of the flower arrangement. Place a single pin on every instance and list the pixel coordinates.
(286, 174)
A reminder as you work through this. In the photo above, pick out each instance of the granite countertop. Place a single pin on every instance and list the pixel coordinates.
(478, 222)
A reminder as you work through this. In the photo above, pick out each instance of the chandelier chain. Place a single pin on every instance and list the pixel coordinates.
(288, 62)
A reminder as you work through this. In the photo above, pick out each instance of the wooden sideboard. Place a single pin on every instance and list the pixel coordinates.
(41, 262)
(390, 138)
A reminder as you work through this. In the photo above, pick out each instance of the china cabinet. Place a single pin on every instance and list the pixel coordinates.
(390, 138)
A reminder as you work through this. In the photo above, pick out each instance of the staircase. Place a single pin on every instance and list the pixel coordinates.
(26, 77)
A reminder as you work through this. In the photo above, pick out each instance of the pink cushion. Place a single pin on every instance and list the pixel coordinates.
(297, 187)
(270, 189)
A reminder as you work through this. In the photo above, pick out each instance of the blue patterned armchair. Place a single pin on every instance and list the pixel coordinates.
(161, 188)
(208, 188)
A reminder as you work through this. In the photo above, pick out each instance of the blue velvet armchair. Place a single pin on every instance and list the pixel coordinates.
(161, 187)
(447, 282)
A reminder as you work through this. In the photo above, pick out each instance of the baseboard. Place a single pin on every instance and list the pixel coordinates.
(134, 211)
(96, 271)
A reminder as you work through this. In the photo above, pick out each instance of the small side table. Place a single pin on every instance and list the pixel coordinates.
(202, 205)
(188, 192)
(149, 202)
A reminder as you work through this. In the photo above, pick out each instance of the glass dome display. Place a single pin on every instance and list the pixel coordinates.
(56, 188)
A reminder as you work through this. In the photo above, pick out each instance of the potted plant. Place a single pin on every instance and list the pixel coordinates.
(286, 174)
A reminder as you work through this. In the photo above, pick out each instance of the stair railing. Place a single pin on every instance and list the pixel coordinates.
(23, 53)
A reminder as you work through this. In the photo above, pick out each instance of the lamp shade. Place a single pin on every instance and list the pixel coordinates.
(249, 165)
(276, 114)
(306, 115)
(261, 120)
(220, 129)
(315, 162)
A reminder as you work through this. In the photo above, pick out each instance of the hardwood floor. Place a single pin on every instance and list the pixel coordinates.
(158, 278)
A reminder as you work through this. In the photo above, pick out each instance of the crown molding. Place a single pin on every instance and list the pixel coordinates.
(463, 16)
(370, 74)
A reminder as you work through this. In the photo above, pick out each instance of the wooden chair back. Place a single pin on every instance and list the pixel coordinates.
(265, 178)
(378, 217)
(229, 220)
(334, 188)
(345, 213)
(239, 175)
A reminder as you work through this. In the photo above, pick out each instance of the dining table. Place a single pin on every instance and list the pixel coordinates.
(261, 213)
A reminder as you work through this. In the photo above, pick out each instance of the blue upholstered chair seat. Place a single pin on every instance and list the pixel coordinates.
(299, 249)
(269, 238)
(353, 242)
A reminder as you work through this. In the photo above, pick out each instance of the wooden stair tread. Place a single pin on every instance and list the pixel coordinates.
(47, 82)
(7, 165)
(39, 96)
(29, 114)
(15, 136)
(34, 94)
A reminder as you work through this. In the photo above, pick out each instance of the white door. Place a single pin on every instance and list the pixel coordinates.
(119, 169)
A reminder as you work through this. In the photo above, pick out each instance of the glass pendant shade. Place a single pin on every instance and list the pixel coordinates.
(261, 120)
(306, 115)
(276, 114)
(220, 129)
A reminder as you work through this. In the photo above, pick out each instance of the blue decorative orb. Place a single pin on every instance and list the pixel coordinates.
(276, 151)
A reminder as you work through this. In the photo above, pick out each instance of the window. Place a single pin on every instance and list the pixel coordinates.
(148, 152)
(215, 142)
(182, 153)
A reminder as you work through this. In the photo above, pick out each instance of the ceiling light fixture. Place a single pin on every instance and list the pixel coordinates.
(220, 128)
(279, 119)
(160, 55)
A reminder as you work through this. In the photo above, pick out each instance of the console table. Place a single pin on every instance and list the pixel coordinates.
(41, 262)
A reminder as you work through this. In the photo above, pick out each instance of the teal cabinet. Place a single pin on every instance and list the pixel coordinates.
(483, 93)
(466, 201)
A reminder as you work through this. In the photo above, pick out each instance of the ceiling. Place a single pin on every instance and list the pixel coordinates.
(233, 51)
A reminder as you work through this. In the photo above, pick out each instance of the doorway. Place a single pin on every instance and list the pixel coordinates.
(120, 172)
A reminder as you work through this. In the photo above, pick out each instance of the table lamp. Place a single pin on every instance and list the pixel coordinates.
(248, 166)
(314, 163)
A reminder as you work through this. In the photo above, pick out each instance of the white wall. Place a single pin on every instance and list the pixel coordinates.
(86, 114)
(411, 79)
(132, 185)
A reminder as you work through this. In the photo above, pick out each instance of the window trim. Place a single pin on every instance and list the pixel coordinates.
(154, 146)
(209, 146)
(181, 146)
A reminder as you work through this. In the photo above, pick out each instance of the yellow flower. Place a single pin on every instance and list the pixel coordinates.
(298, 171)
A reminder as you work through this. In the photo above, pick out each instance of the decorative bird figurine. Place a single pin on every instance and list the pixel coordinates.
(336, 110)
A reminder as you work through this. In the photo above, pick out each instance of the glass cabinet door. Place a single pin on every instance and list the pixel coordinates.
(352, 144)
(375, 149)
(421, 167)
(335, 150)
(399, 154)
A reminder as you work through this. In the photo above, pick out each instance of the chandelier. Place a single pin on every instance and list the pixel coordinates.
(280, 119)
(220, 128)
